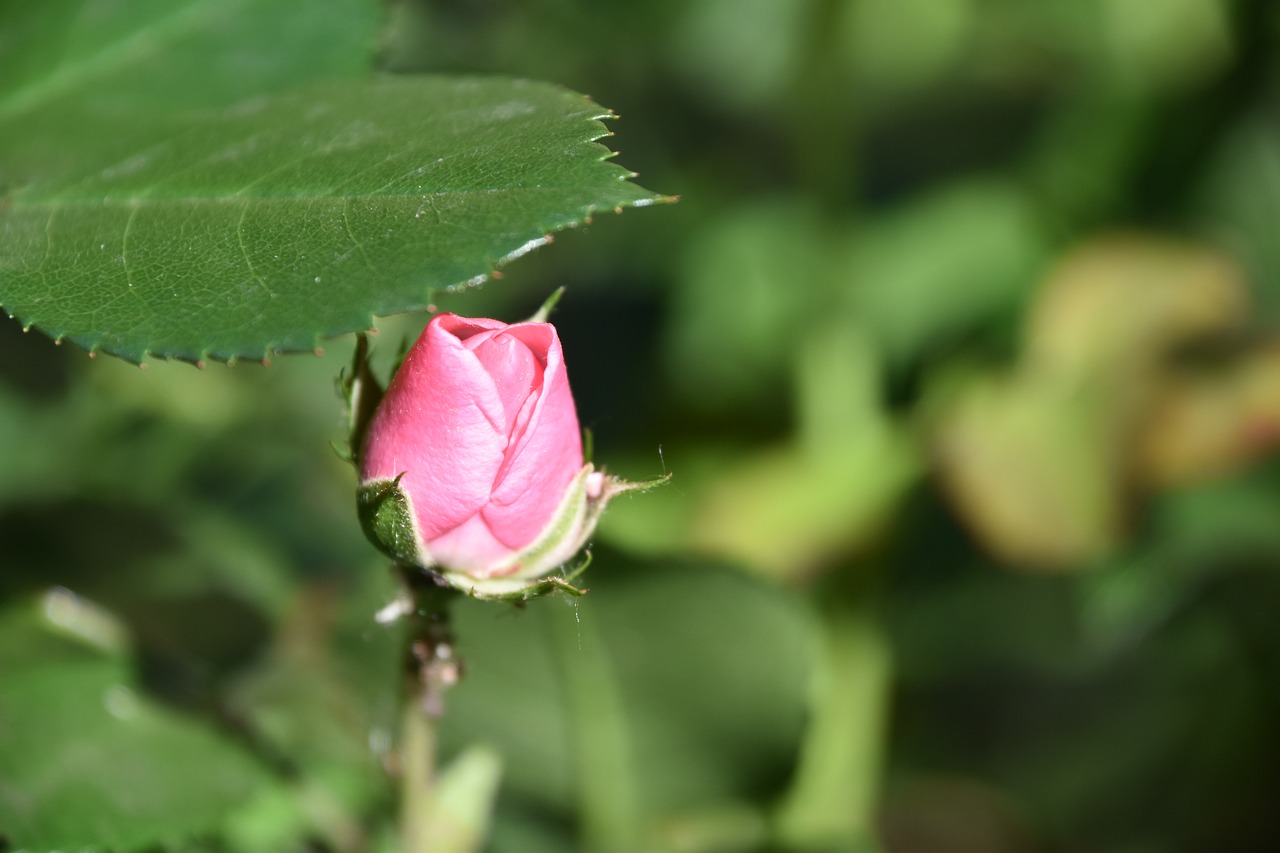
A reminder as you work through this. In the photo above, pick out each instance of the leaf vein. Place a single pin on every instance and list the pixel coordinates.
(144, 201)
(346, 223)
(48, 248)
(124, 243)
(244, 250)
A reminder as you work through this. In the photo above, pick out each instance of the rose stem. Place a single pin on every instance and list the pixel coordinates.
(430, 669)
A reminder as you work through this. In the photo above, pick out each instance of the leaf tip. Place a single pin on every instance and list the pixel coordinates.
(657, 199)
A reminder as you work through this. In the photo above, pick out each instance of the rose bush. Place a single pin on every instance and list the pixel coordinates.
(472, 464)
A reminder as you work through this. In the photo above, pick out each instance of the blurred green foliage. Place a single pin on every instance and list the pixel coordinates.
(960, 346)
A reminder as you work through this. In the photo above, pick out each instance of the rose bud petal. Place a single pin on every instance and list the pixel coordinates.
(472, 463)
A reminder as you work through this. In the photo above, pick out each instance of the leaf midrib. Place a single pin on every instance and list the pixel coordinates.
(143, 201)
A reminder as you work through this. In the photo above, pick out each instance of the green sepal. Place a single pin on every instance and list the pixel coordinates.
(402, 352)
(520, 590)
(386, 516)
(543, 312)
(362, 392)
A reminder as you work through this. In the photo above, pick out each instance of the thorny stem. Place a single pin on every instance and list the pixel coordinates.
(430, 669)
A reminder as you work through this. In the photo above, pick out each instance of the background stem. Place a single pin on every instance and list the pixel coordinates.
(831, 803)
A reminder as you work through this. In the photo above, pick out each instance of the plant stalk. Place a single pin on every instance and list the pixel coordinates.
(833, 798)
(430, 668)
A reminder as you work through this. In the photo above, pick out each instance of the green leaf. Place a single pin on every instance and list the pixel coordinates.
(985, 246)
(69, 64)
(87, 761)
(219, 50)
(667, 690)
(749, 285)
(325, 696)
(460, 806)
(263, 227)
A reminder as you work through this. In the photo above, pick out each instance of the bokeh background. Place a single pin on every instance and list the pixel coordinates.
(960, 344)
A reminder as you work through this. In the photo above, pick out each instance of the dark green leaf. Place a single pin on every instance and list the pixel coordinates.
(685, 682)
(87, 761)
(266, 226)
(66, 65)
(169, 190)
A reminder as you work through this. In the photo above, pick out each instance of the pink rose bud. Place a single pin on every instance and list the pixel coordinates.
(472, 463)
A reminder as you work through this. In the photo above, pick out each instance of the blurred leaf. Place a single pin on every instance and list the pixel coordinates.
(750, 281)
(760, 54)
(604, 758)
(745, 52)
(274, 820)
(897, 45)
(787, 512)
(87, 761)
(941, 266)
(463, 801)
(1119, 303)
(712, 669)
(1041, 462)
(1033, 467)
(1240, 201)
(58, 627)
(324, 699)
(708, 668)
(266, 226)
(791, 510)
(1213, 422)
(1175, 46)
(197, 591)
(1197, 537)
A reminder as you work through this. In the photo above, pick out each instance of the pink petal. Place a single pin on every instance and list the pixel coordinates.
(465, 328)
(470, 547)
(546, 454)
(443, 423)
(515, 372)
